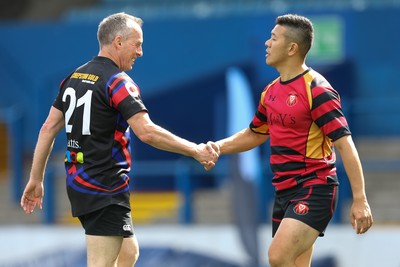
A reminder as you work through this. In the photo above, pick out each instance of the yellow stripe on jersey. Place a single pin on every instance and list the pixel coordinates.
(308, 78)
(262, 129)
(320, 147)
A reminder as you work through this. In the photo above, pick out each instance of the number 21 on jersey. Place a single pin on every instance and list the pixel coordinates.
(85, 101)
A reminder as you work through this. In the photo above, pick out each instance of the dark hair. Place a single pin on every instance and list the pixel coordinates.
(301, 30)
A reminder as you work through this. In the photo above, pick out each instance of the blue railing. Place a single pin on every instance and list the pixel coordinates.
(183, 170)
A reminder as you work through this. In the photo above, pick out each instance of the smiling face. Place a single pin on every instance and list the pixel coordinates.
(120, 38)
(277, 47)
(130, 48)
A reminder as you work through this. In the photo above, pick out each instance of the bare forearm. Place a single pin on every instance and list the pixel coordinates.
(42, 152)
(353, 168)
(355, 174)
(360, 212)
(161, 138)
(240, 142)
(51, 127)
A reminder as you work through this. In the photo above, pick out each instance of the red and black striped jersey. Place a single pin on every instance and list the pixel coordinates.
(303, 117)
(97, 99)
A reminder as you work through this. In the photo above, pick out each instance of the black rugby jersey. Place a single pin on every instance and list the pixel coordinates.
(97, 99)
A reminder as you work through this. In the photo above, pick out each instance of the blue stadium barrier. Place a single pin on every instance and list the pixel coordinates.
(167, 257)
(149, 257)
(184, 170)
(49, 198)
(328, 261)
(60, 258)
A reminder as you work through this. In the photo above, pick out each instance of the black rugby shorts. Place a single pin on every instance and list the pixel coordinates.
(112, 220)
(313, 205)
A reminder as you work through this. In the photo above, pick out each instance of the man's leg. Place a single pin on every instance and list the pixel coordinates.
(102, 251)
(292, 244)
(305, 258)
(129, 252)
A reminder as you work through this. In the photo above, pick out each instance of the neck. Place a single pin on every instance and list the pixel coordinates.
(290, 71)
(104, 52)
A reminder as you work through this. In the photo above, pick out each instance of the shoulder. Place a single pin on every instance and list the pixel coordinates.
(266, 88)
(123, 81)
(120, 78)
(271, 84)
(317, 80)
(318, 84)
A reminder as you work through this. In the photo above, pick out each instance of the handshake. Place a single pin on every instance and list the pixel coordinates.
(207, 154)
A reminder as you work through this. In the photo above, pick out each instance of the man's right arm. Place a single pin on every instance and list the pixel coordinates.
(158, 137)
(242, 141)
(33, 193)
(49, 130)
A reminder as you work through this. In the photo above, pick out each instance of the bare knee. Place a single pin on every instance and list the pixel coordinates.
(278, 259)
(129, 253)
(135, 257)
(127, 259)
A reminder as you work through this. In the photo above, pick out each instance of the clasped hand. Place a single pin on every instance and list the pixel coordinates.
(207, 154)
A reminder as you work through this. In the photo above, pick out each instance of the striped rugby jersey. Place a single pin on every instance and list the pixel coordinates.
(97, 99)
(302, 117)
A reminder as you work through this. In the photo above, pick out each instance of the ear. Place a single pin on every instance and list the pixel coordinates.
(117, 42)
(293, 49)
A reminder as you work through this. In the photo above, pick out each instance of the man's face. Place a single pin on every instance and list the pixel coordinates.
(131, 48)
(277, 46)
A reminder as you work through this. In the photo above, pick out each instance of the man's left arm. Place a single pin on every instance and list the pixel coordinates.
(360, 213)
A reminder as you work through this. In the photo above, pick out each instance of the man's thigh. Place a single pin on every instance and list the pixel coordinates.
(292, 239)
(102, 251)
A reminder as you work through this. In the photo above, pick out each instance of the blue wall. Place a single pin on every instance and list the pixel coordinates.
(180, 53)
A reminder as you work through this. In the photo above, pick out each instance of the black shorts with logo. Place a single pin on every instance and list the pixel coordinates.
(313, 205)
(112, 220)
